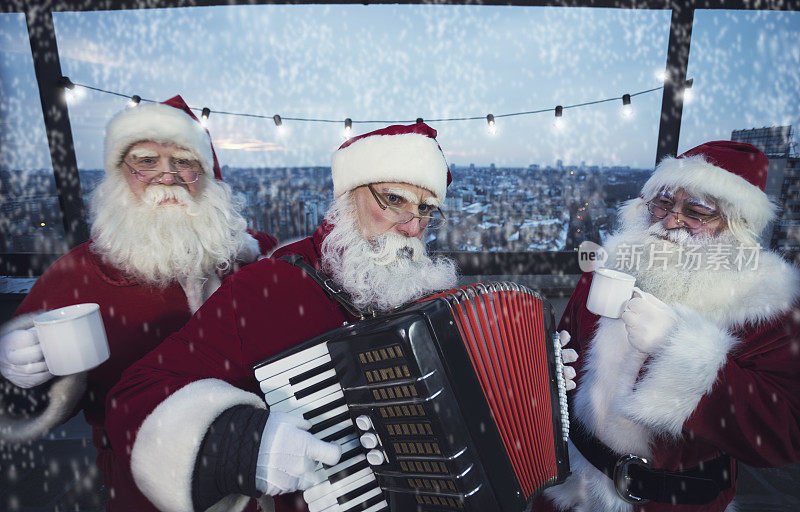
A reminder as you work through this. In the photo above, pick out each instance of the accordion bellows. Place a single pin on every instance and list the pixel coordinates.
(456, 402)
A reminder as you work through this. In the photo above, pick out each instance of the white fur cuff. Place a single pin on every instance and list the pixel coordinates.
(677, 377)
(167, 443)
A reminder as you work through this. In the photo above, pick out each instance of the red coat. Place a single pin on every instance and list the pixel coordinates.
(728, 386)
(164, 404)
(136, 318)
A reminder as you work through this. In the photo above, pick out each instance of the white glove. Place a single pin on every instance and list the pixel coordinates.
(648, 322)
(568, 355)
(21, 359)
(288, 455)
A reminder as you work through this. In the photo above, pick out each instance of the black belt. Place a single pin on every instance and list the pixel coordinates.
(636, 482)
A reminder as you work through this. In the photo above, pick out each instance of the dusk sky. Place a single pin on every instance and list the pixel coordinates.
(393, 62)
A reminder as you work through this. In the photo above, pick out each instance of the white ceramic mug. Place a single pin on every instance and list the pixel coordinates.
(73, 338)
(609, 292)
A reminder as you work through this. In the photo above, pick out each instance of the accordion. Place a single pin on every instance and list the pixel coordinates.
(456, 402)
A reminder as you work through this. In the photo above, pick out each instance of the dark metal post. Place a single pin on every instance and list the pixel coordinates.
(56, 122)
(680, 35)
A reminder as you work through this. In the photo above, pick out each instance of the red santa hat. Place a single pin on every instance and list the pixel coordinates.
(397, 153)
(170, 122)
(733, 174)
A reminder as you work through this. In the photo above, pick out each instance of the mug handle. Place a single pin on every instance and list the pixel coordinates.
(639, 291)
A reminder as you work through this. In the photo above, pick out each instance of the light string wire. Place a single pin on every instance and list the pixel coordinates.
(317, 120)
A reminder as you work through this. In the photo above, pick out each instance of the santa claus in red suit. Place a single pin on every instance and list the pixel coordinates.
(191, 415)
(702, 369)
(165, 231)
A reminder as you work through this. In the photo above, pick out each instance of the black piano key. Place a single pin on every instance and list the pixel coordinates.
(337, 435)
(316, 387)
(313, 413)
(366, 504)
(355, 468)
(355, 493)
(322, 425)
(349, 454)
(300, 377)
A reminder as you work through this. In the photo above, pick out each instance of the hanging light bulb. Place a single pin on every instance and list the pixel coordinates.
(68, 86)
(135, 99)
(491, 123)
(348, 126)
(419, 120)
(627, 108)
(559, 121)
(204, 115)
(279, 124)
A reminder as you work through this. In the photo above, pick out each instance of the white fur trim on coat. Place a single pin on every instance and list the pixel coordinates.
(410, 158)
(62, 399)
(678, 376)
(167, 443)
(158, 123)
(738, 198)
(250, 249)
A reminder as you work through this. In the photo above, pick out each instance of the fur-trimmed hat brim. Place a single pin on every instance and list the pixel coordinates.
(736, 197)
(159, 123)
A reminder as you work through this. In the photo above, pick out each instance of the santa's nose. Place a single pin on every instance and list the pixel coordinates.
(670, 221)
(411, 228)
(168, 179)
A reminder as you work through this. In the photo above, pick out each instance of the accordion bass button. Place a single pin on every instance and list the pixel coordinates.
(375, 457)
(369, 440)
(363, 422)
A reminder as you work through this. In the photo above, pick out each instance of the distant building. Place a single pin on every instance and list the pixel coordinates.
(783, 181)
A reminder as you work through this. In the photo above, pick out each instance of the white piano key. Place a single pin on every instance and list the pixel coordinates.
(330, 500)
(360, 499)
(284, 392)
(352, 461)
(333, 429)
(291, 361)
(324, 500)
(304, 408)
(376, 507)
(326, 487)
(282, 379)
(327, 415)
(292, 403)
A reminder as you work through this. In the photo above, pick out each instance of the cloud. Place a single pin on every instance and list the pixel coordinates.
(247, 145)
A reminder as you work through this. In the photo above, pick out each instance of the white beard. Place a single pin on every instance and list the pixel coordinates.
(384, 272)
(159, 244)
(666, 269)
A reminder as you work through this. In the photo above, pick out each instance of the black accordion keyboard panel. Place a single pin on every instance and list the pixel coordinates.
(399, 393)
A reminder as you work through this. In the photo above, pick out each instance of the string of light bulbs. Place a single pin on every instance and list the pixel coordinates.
(205, 112)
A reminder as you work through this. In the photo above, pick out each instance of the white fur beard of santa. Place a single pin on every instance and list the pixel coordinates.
(385, 272)
(663, 267)
(162, 243)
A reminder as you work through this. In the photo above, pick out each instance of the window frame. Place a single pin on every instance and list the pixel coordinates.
(39, 19)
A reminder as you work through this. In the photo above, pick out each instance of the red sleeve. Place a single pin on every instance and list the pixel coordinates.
(753, 411)
(208, 346)
(266, 242)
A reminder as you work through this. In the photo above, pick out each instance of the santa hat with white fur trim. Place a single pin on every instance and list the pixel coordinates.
(732, 173)
(397, 153)
(170, 122)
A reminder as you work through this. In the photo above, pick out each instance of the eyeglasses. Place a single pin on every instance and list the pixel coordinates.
(183, 170)
(430, 216)
(660, 208)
